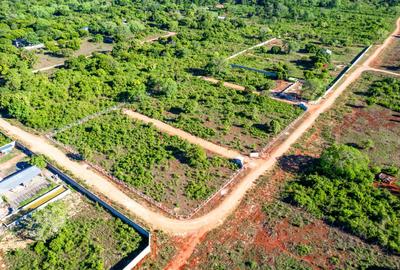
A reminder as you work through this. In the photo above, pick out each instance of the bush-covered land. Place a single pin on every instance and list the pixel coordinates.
(4, 139)
(91, 239)
(46, 101)
(238, 119)
(341, 190)
(165, 167)
(385, 93)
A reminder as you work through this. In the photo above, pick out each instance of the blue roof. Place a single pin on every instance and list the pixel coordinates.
(18, 178)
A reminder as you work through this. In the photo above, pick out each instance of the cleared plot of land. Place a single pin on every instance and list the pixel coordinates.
(46, 60)
(167, 168)
(236, 119)
(390, 58)
(263, 232)
(357, 122)
(87, 238)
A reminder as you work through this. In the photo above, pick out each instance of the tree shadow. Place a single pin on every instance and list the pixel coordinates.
(297, 163)
(196, 71)
(262, 127)
(22, 165)
(75, 156)
(355, 145)
(178, 154)
(304, 64)
(176, 110)
(355, 106)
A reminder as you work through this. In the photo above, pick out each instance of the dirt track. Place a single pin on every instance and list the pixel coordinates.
(222, 151)
(217, 216)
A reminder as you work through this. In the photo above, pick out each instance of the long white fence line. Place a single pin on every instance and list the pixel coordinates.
(85, 119)
(138, 193)
(338, 79)
(251, 48)
(283, 133)
(219, 192)
(145, 246)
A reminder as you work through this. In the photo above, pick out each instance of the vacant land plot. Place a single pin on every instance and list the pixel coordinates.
(86, 48)
(168, 169)
(267, 232)
(390, 59)
(372, 128)
(80, 236)
(233, 118)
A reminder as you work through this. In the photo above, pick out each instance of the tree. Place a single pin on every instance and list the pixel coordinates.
(274, 126)
(44, 223)
(276, 50)
(217, 66)
(345, 161)
(163, 87)
(38, 161)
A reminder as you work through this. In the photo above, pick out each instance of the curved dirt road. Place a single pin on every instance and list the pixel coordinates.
(217, 215)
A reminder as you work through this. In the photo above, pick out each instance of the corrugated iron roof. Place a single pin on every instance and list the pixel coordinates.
(18, 178)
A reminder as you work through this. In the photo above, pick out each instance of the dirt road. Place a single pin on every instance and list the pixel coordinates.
(226, 84)
(222, 151)
(217, 216)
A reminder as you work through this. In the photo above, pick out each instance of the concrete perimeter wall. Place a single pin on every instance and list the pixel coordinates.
(145, 248)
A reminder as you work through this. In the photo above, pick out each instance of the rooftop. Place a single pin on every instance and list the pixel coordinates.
(18, 178)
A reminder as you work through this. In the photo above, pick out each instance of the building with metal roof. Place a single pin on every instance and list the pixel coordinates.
(5, 149)
(19, 178)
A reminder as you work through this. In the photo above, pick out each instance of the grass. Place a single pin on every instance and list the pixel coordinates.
(38, 194)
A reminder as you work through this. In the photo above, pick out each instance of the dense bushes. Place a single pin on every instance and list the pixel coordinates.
(386, 93)
(133, 151)
(80, 243)
(341, 191)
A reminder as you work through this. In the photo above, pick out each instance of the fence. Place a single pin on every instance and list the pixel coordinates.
(267, 73)
(85, 119)
(138, 193)
(145, 246)
(343, 73)
(283, 133)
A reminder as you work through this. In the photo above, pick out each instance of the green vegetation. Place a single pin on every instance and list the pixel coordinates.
(41, 191)
(385, 93)
(162, 166)
(88, 240)
(4, 139)
(38, 161)
(341, 191)
(238, 119)
(85, 86)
